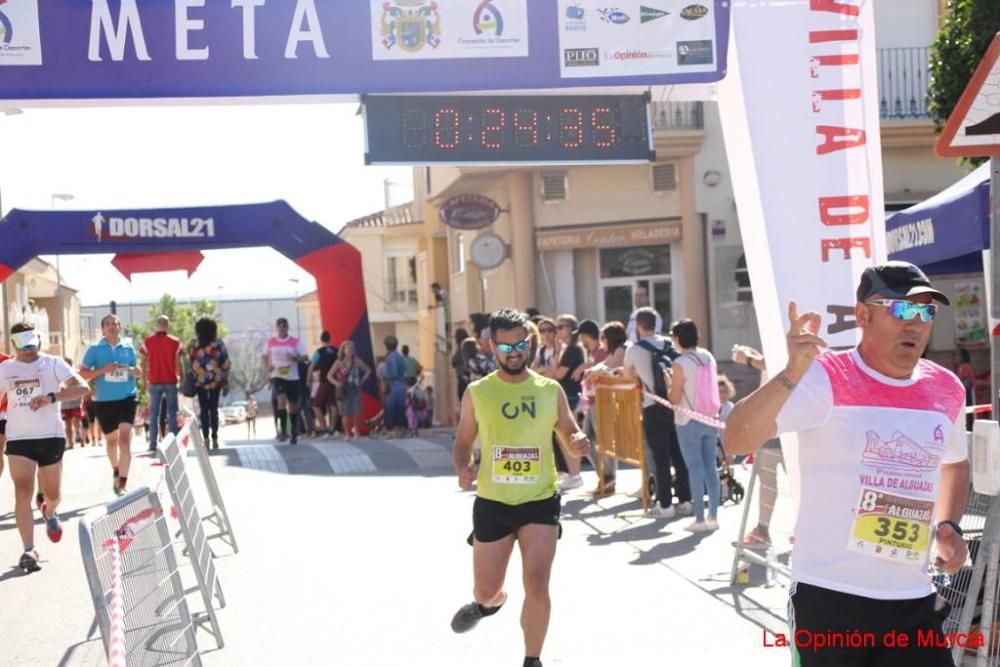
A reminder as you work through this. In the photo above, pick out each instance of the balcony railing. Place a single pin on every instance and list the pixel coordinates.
(678, 116)
(903, 76)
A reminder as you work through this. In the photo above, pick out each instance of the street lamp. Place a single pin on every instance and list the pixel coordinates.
(63, 197)
(295, 296)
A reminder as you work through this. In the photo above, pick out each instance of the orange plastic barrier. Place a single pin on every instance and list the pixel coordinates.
(618, 424)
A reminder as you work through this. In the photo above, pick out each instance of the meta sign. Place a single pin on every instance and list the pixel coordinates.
(88, 50)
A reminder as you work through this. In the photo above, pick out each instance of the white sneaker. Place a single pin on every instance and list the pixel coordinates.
(699, 527)
(685, 509)
(657, 512)
(570, 482)
(712, 523)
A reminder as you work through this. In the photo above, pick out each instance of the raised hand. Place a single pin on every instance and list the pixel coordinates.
(804, 341)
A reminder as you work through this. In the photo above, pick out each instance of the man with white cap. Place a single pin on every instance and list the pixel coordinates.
(34, 383)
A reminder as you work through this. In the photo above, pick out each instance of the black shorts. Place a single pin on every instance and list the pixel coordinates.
(819, 615)
(492, 520)
(287, 388)
(91, 410)
(3, 426)
(43, 451)
(111, 414)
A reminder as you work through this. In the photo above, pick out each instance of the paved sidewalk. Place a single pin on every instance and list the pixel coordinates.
(341, 564)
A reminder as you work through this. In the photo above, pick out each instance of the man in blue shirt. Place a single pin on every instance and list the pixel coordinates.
(113, 363)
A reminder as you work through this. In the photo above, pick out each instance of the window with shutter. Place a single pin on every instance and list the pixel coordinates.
(554, 186)
(665, 177)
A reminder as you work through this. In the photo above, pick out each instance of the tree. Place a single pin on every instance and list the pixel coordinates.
(969, 27)
(246, 370)
(183, 316)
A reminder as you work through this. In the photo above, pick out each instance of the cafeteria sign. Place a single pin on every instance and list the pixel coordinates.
(468, 212)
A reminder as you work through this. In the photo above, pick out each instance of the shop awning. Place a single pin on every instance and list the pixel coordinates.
(948, 232)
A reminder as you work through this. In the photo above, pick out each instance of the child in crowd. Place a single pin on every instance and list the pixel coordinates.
(416, 405)
(429, 416)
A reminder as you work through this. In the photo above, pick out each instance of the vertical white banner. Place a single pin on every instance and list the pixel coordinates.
(800, 114)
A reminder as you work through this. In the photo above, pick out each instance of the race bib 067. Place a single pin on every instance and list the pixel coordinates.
(24, 391)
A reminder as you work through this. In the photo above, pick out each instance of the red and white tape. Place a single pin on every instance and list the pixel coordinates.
(116, 642)
(696, 416)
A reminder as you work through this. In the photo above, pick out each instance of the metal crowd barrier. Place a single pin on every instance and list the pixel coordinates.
(219, 516)
(618, 424)
(135, 585)
(179, 487)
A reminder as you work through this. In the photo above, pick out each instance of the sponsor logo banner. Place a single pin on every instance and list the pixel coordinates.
(426, 29)
(582, 57)
(694, 12)
(698, 52)
(20, 41)
(647, 14)
(657, 43)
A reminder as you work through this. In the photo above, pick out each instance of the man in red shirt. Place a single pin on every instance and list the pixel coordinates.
(162, 372)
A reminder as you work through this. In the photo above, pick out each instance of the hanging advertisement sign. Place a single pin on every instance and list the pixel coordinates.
(89, 50)
(468, 212)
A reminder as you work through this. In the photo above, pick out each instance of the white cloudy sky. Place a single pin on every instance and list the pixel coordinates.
(311, 155)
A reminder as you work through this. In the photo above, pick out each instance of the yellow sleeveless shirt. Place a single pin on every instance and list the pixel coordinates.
(516, 422)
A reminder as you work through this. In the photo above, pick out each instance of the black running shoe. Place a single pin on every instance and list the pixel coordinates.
(469, 616)
(29, 561)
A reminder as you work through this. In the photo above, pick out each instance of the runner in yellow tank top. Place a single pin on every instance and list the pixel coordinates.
(514, 412)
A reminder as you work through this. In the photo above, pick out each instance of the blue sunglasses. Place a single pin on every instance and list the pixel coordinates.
(907, 310)
(520, 346)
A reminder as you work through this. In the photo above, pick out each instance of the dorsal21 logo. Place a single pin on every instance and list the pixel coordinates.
(118, 228)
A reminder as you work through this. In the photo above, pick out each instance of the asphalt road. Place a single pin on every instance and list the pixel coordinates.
(355, 555)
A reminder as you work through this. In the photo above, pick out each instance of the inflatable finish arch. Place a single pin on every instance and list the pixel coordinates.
(335, 264)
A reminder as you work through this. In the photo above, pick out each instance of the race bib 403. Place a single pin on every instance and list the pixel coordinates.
(516, 465)
(892, 527)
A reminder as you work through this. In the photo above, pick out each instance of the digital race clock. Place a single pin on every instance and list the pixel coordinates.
(550, 129)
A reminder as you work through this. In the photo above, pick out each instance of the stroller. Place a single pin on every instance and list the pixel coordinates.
(730, 489)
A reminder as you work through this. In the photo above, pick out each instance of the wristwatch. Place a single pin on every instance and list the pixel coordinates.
(52, 396)
(954, 526)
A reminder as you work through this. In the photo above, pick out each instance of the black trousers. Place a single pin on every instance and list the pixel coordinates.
(208, 399)
(661, 436)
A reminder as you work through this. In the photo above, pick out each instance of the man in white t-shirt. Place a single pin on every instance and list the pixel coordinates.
(34, 383)
(641, 300)
(281, 356)
(884, 474)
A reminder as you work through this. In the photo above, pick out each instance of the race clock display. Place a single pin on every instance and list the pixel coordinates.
(527, 129)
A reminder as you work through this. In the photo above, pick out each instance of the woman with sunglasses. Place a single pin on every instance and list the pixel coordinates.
(882, 466)
(545, 360)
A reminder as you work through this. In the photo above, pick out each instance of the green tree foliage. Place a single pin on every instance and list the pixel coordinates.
(966, 33)
(183, 316)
